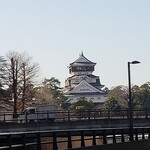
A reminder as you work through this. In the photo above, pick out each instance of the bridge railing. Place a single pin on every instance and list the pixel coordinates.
(68, 139)
(68, 115)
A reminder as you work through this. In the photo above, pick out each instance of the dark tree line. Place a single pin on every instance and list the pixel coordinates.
(118, 97)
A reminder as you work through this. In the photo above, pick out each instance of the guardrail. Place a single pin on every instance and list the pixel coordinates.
(68, 115)
(68, 139)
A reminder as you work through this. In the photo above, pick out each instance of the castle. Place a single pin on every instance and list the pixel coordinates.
(82, 83)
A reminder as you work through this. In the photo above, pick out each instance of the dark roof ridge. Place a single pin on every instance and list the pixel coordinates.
(82, 59)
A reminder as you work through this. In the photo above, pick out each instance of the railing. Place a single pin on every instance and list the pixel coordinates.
(68, 115)
(67, 139)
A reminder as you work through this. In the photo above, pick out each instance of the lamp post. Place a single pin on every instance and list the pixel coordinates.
(131, 100)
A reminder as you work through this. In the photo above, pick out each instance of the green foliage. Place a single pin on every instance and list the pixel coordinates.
(59, 99)
(82, 107)
(52, 83)
(136, 96)
(2, 71)
(141, 95)
(112, 104)
(65, 103)
(118, 97)
(83, 104)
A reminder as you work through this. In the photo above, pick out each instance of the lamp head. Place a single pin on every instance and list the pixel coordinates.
(134, 62)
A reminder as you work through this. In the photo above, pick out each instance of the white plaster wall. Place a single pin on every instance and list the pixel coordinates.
(94, 99)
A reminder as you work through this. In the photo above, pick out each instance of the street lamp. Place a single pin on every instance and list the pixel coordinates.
(131, 100)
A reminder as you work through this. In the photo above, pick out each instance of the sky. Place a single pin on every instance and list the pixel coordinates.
(54, 33)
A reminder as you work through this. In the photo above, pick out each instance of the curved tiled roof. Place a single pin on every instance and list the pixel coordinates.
(82, 60)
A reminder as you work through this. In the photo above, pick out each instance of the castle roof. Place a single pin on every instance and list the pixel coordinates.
(82, 60)
(84, 87)
(87, 75)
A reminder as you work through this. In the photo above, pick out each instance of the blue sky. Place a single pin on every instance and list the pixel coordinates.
(55, 32)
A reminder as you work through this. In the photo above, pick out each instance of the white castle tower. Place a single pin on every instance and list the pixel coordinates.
(83, 83)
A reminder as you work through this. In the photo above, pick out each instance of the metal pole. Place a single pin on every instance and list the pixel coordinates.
(130, 104)
(131, 100)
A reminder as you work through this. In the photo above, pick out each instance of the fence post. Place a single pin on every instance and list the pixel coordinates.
(127, 113)
(39, 141)
(55, 141)
(148, 133)
(146, 114)
(122, 135)
(69, 140)
(24, 141)
(82, 139)
(89, 114)
(4, 118)
(136, 134)
(68, 115)
(122, 113)
(94, 138)
(143, 134)
(9, 142)
(100, 113)
(104, 137)
(26, 119)
(108, 113)
(114, 136)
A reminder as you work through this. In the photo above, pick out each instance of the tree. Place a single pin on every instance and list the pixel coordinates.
(3, 91)
(136, 96)
(112, 104)
(29, 71)
(21, 74)
(57, 97)
(65, 103)
(141, 95)
(54, 85)
(2, 70)
(83, 107)
(145, 95)
(83, 104)
(119, 96)
(43, 93)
